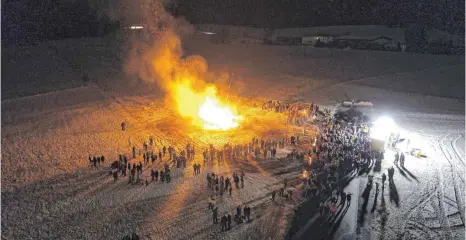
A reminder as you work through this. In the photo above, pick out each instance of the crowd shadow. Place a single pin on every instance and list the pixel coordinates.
(365, 169)
(377, 166)
(345, 181)
(326, 226)
(337, 220)
(402, 172)
(374, 206)
(383, 211)
(394, 193)
(365, 197)
(409, 173)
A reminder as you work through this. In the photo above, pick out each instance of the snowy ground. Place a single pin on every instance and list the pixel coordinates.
(50, 192)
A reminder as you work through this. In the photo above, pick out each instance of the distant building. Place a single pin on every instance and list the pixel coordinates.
(371, 42)
(312, 40)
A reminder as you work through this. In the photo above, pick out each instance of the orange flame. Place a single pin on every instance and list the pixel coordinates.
(184, 79)
(204, 108)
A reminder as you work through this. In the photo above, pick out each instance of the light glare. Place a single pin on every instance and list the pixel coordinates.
(383, 127)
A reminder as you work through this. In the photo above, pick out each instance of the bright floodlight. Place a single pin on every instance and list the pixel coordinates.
(383, 127)
(207, 33)
(136, 27)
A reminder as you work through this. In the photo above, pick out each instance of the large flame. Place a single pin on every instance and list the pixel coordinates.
(205, 108)
(183, 79)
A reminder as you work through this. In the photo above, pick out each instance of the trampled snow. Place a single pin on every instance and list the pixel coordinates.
(50, 191)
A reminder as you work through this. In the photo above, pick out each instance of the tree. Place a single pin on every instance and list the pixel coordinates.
(416, 38)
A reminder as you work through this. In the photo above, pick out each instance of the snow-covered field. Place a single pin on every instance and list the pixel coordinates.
(50, 192)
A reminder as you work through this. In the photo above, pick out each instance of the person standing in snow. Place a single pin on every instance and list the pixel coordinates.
(223, 222)
(115, 175)
(236, 178)
(228, 221)
(348, 199)
(215, 215)
(242, 180)
(290, 195)
(211, 202)
(247, 213)
(238, 214)
(131, 177)
(209, 180)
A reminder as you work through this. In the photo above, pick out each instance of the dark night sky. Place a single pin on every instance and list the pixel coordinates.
(290, 13)
(35, 20)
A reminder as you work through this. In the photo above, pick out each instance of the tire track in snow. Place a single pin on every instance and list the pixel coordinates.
(454, 172)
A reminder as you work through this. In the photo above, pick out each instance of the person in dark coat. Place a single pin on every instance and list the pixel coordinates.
(242, 180)
(273, 195)
(238, 211)
(228, 221)
(134, 236)
(348, 199)
(247, 213)
(215, 215)
(94, 161)
(115, 175)
(223, 222)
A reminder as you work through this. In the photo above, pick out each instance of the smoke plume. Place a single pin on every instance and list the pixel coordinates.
(156, 56)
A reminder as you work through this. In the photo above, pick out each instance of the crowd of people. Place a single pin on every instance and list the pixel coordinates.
(258, 148)
(340, 149)
(95, 161)
(337, 150)
(243, 214)
(219, 185)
